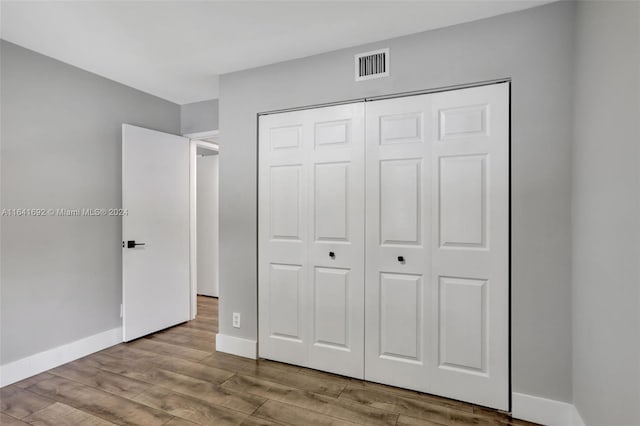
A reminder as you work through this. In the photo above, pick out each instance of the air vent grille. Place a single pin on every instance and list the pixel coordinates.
(372, 64)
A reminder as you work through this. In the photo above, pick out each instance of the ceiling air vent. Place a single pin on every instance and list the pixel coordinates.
(372, 64)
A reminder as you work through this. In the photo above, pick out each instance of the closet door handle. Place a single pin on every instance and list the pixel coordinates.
(332, 255)
(401, 259)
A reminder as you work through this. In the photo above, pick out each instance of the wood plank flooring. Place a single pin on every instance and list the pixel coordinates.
(176, 378)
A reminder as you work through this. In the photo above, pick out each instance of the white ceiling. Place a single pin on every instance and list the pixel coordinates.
(176, 49)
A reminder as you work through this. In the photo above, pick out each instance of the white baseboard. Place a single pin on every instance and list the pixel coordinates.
(544, 411)
(237, 346)
(43, 361)
(576, 417)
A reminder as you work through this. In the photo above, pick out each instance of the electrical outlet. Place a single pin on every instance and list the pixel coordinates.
(236, 319)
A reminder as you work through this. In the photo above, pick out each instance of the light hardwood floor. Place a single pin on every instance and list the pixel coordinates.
(176, 378)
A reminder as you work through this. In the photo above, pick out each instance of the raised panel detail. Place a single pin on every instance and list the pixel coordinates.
(332, 132)
(331, 307)
(463, 201)
(400, 201)
(462, 323)
(331, 202)
(285, 137)
(285, 202)
(401, 128)
(284, 301)
(401, 317)
(463, 122)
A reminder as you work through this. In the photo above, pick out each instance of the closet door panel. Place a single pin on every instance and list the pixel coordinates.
(401, 317)
(336, 251)
(400, 202)
(463, 324)
(397, 249)
(282, 237)
(331, 206)
(463, 221)
(331, 308)
(284, 302)
(470, 264)
(311, 238)
(437, 249)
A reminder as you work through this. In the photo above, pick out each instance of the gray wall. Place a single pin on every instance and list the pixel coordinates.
(60, 137)
(199, 116)
(606, 214)
(534, 48)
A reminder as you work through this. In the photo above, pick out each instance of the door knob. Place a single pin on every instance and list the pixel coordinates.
(401, 259)
(133, 244)
(332, 255)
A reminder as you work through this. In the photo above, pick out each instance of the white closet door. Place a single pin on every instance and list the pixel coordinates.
(283, 237)
(437, 195)
(398, 232)
(470, 248)
(311, 238)
(336, 230)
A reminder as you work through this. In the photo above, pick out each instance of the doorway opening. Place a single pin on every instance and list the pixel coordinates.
(170, 231)
(204, 150)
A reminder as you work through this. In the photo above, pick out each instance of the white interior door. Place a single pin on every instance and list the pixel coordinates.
(155, 193)
(311, 238)
(437, 263)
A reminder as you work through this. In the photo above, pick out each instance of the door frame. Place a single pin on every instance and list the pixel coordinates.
(194, 143)
(507, 80)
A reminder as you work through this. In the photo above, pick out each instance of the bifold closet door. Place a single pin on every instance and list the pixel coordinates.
(311, 238)
(436, 287)
(437, 244)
